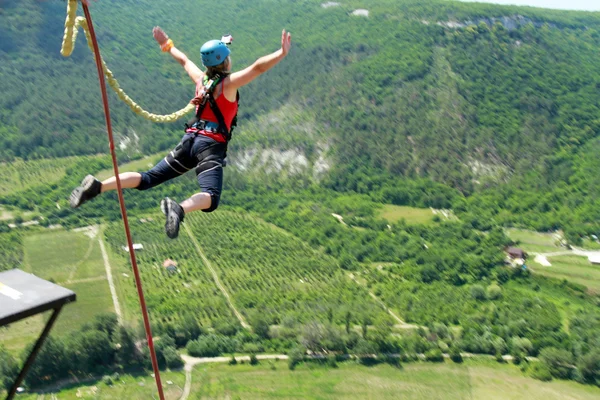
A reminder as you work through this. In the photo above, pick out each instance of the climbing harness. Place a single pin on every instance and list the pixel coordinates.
(197, 123)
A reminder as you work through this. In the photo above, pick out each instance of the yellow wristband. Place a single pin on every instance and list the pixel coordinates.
(167, 46)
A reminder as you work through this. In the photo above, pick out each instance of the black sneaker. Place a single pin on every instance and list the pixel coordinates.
(89, 188)
(174, 213)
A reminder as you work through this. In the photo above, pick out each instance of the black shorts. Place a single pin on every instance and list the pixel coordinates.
(192, 153)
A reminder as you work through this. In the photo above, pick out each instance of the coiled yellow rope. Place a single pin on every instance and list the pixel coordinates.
(72, 24)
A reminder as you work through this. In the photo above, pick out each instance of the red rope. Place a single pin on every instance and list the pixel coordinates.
(138, 281)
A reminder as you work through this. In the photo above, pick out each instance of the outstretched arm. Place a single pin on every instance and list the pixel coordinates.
(163, 40)
(262, 65)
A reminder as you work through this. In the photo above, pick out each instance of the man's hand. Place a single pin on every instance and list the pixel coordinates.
(159, 35)
(286, 42)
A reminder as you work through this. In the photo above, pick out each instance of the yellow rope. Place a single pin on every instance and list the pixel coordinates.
(71, 28)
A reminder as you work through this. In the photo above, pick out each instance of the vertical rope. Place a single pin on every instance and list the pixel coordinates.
(138, 280)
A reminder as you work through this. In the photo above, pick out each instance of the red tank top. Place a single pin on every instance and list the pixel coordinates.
(228, 109)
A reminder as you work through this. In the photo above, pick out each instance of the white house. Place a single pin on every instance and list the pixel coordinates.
(594, 258)
(136, 246)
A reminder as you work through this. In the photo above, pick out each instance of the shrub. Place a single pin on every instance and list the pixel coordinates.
(517, 358)
(541, 372)
(365, 351)
(455, 355)
(494, 292)
(478, 292)
(253, 359)
(589, 367)
(392, 360)
(296, 356)
(558, 361)
(172, 358)
(434, 355)
(331, 361)
(521, 345)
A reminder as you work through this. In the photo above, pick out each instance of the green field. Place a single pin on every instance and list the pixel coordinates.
(130, 387)
(19, 175)
(480, 379)
(474, 379)
(74, 261)
(576, 269)
(535, 242)
(411, 215)
(63, 256)
(142, 164)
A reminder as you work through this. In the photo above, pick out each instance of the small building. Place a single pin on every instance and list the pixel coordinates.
(516, 253)
(136, 246)
(170, 265)
(594, 259)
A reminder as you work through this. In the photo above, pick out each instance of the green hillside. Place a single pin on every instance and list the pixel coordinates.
(495, 102)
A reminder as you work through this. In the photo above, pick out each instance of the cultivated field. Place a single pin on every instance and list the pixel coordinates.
(19, 175)
(576, 269)
(261, 268)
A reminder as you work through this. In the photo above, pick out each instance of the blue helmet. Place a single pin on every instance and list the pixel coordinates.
(213, 53)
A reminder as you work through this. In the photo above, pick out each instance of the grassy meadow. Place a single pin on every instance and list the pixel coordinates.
(480, 379)
(130, 387)
(72, 260)
(577, 269)
(474, 379)
(534, 242)
(411, 215)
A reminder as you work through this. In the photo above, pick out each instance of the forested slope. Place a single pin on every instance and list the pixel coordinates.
(502, 91)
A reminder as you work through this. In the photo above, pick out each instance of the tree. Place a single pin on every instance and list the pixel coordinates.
(558, 361)
(520, 346)
(172, 358)
(434, 355)
(296, 356)
(253, 359)
(106, 323)
(260, 326)
(455, 354)
(348, 320)
(50, 363)
(366, 351)
(127, 354)
(589, 367)
(541, 372)
(494, 292)
(478, 292)
(384, 325)
(94, 350)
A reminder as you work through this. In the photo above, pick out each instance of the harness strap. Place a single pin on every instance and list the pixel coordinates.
(210, 100)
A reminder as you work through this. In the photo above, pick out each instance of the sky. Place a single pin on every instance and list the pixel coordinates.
(587, 5)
